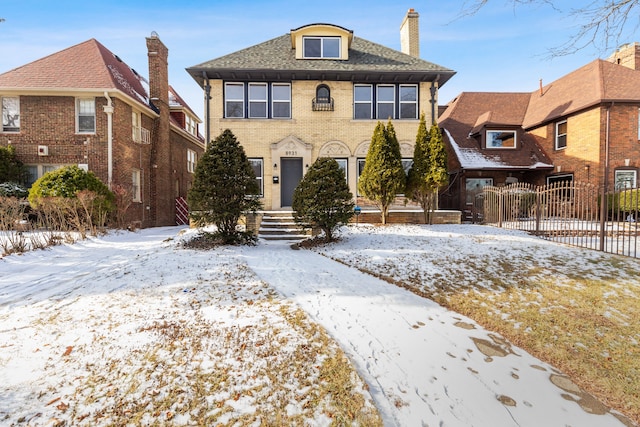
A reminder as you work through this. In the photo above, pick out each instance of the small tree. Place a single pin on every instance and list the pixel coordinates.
(223, 188)
(11, 168)
(438, 175)
(322, 198)
(417, 189)
(429, 170)
(383, 176)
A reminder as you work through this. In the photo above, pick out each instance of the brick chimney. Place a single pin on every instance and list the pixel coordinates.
(410, 35)
(627, 55)
(162, 204)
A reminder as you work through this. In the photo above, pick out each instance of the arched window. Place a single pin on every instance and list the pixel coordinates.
(323, 94)
(323, 101)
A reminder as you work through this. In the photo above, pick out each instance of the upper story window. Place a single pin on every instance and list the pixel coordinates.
(191, 125)
(135, 125)
(408, 101)
(323, 100)
(501, 139)
(281, 100)
(192, 160)
(561, 135)
(10, 114)
(321, 47)
(264, 100)
(385, 101)
(363, 102)
(258, 100)
(234, 100)
(86, 115)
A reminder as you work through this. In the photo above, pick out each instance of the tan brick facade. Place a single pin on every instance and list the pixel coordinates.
(310, 134)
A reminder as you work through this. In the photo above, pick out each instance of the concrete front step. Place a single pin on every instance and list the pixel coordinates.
(280, 226)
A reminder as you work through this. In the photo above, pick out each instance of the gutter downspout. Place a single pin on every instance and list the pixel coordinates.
(108, 109)
(207, 98)
(433, 101)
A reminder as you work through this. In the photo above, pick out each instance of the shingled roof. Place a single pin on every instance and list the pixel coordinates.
(471, 112)
(88, 65)
(595, 83)
(598, 82)
(275, 60)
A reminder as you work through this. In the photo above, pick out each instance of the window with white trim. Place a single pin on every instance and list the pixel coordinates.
(234, 100)
(343, 165)
(408, 102)
(321, 47)
(264, 100)
(10, 114)
(257, 100)
(363, 101)
(501, 139)
(136, 192)
(625, 179)
(281, 100)
(561, 135)
(192, 160)
(258, 170)
(384, 101)
(360, 168)
(86, 115)
(135, 126)
(191, 125)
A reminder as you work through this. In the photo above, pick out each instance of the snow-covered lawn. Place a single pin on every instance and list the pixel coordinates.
(133, 329)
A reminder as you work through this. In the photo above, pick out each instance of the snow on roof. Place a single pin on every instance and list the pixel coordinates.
(472, 158)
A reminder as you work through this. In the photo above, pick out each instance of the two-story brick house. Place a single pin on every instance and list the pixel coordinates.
(317, 91)
(84, 106)
(585, 126)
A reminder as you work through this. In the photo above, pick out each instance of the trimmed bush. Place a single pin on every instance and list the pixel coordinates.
(322, 198)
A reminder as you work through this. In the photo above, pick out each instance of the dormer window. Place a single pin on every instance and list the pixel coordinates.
(321, 47)
(501, 139)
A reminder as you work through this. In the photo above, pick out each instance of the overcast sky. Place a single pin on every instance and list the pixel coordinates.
(501, 48)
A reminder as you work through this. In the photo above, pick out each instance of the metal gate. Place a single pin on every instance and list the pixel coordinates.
(573, 213)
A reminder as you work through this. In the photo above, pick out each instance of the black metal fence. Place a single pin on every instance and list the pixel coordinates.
(573, 213)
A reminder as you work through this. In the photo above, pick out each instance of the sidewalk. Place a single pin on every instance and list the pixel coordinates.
(425, 365)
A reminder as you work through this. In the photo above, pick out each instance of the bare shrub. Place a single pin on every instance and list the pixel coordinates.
(12, 223)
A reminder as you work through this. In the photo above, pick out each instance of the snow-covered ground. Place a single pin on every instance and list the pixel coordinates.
(108, 325)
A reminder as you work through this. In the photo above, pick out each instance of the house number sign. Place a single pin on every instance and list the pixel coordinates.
(291, 153)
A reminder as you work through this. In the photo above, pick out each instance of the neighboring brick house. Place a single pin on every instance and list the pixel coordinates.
(583, 127)
(84, 106)
(318, 91)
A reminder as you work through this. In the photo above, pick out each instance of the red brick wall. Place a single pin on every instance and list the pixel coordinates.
(586, 137)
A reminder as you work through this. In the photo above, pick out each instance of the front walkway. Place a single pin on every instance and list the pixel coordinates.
(425, 365)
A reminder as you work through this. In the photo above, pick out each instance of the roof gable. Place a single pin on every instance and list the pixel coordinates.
(597, 82)
(471, 113)
(276, 59)
(88, 65)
